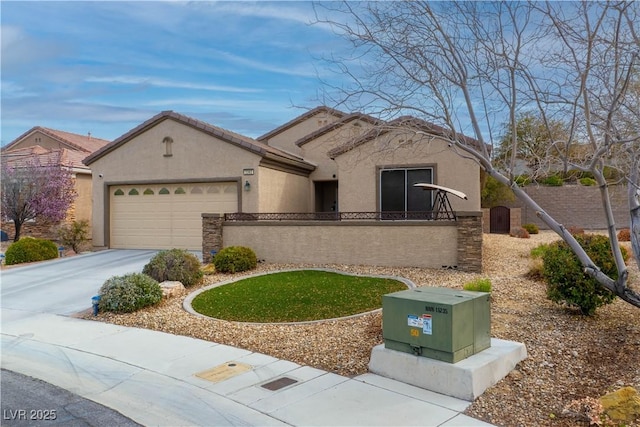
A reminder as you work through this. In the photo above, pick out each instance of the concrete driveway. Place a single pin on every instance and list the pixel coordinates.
(65, 285)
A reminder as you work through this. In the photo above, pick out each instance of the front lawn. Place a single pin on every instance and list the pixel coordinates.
(295, 296)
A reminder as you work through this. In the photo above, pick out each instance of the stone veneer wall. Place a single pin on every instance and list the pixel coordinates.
(211, 235)
(395, 243)
(39, 228)
(470, 241)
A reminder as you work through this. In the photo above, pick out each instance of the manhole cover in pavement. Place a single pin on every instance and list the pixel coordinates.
(279, 383)
(224, 371)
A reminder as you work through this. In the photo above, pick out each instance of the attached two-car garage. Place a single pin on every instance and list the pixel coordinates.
(165, 216)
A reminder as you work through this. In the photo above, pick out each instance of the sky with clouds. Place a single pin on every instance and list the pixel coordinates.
(105, 66)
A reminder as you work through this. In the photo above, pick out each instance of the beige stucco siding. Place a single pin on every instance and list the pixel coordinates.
(286, 139)
(83, 184)
(316, 150)
(282, 192)
(41, 139)
(429, 246)
(359, 171)
(195, 156)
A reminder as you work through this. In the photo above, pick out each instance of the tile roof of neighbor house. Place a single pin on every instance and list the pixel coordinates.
(404, 122)
(259, 148)
(21, 157)
(300, 119)
(85, 143)
(338, 123)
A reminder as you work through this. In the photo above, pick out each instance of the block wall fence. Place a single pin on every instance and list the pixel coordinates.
(428, 244)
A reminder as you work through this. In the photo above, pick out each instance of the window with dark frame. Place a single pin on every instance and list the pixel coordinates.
(397, 193)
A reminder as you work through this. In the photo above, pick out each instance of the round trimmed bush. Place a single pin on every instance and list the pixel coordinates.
(30, 249)
(235, 259)
(131, 292)
(531, 228)
(552, 181)
(174, 264)
(588, 182)
(566, 280)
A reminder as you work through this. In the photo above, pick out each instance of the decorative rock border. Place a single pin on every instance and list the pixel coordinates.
(189, 299)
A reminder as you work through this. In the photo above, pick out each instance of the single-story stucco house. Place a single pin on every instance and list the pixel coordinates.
(65, 149)
(154, 185)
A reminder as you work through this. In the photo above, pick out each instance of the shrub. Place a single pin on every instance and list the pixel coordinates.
(519, 232)
(588, 182)
(611, 173)
(208, 269)
(522, 180)
(174, 264)
(30, 249)
(552, 181)
(74, 234)
(624, 235)
(566, 281)
(478, 285)
(131, 292)
(535, 271)
(235, 259)
(531, 228)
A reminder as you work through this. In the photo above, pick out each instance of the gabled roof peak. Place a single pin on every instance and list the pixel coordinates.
(84, 143)
(241, 141)
(300, 119)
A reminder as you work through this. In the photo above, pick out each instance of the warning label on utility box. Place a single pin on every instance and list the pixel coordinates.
(414, 321)
(427, 327)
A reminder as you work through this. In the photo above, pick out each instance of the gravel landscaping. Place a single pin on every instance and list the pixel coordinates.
(570, 357)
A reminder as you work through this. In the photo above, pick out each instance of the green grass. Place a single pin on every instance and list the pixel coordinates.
(295, 296)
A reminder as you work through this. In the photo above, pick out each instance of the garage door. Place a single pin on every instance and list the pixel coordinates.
(166, 216)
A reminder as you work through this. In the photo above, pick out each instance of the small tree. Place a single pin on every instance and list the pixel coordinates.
(31, 190)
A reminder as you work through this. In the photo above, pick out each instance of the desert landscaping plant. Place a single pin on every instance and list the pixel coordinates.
(565, 277)
(30, 249)
(234, 259)
(478, 285)
(128, 293)
(74, 234)
(531, 228)
(176, 265)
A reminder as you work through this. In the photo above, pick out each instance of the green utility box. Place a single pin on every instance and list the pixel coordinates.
(438, 323)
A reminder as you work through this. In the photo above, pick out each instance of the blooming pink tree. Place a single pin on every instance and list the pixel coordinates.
(32, 190)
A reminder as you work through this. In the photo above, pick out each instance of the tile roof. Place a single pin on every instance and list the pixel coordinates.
(85, 143)
(401, 122)
(64, 157)
(339, 123)
(300, 119)
(241, 141)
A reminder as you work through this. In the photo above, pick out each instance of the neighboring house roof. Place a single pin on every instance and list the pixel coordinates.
(60, 157)
(404, 122)
(300, 119)
(268, 153)
(84, 143)
(335, 125)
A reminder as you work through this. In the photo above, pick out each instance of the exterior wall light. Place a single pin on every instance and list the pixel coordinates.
(247, 186)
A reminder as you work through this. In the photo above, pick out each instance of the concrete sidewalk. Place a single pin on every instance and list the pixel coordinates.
(161, 379)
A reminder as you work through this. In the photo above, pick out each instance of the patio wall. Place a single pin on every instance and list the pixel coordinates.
(428, 244)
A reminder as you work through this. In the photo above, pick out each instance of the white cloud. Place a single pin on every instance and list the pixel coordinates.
(204, 102)
(165, 83)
